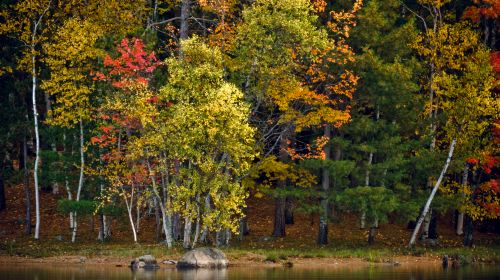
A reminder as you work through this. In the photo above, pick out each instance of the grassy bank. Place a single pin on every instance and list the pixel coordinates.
(32, 249)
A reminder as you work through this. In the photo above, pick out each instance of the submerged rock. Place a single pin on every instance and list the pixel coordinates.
(145, 262)
(203, 258)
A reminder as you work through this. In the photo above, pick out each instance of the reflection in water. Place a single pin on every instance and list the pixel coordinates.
(96, 272)
(203, 274)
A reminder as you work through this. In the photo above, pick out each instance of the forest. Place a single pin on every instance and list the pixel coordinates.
(174, 116)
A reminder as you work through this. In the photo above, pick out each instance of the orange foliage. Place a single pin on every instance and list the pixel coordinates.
(316, 152)
(483, 8)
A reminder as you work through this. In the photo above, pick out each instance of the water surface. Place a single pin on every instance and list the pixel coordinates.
(96, 272)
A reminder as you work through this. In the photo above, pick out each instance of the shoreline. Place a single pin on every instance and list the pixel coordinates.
(243, 261)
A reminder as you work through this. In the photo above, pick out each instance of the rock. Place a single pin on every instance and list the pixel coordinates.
(266, 238)
(430, 242)
(83, 259)
(145, 262)
(396, 263)
(59, 238)
(169, 262)
(203, 258)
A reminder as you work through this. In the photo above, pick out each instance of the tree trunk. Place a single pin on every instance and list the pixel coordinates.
(432, 233)
(280, 202)
(158, 220)
(371, 235)
(176, 226)
(166, 218)
(55, 184)
(469, 226)
(243, 230)
(460, 218)
(288, 210)
(222, 237)
(137, 215)
(368, 169)
(80, 180)
(37, 140)
(325, 186)
(27, 192)
(205, 233)
(107, 226)
(100, 236)
(427, 223)
(185, 13)
(3, 205)
(129, 211)
(362, 220)
(197, 227)
(187, 233)
(71, 214)
(279, 217)
(431, 197)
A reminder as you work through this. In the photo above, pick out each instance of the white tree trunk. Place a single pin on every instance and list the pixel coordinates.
(431, 196)
(167, 225)
(129, 211)
(34, 32)
(80, 181)
(362, 220)
(37, 140)
(70, 197)
(368, 167)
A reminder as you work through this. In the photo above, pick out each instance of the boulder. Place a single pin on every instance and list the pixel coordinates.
(203, 258)
(145, 262)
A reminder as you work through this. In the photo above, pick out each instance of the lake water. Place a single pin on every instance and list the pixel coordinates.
(95, 272)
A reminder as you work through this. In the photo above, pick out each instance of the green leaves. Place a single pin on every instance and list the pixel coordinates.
(376, 202)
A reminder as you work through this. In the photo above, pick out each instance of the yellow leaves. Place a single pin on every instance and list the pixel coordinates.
(274, 170)
(436, 3)
(69, 58)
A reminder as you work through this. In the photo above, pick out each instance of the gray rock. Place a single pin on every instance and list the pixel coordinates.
(145, 262)
(203, 258)
(59, 238)
(169, 262)
(266, 238)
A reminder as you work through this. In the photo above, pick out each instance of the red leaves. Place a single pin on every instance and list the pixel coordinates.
(483, 8)
(472, 161)
(153, 99)
(134, 65)
(106, 129)
(487, 163)
(495, 62)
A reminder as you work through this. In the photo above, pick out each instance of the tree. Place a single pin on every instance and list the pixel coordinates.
(69, 58)
(376, 203)
(275, 43)
(463, 88)
(205, 128)
(380, 135)
(125, 110)
(27, 21)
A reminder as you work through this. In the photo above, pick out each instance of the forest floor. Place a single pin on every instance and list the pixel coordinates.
(347, 242)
